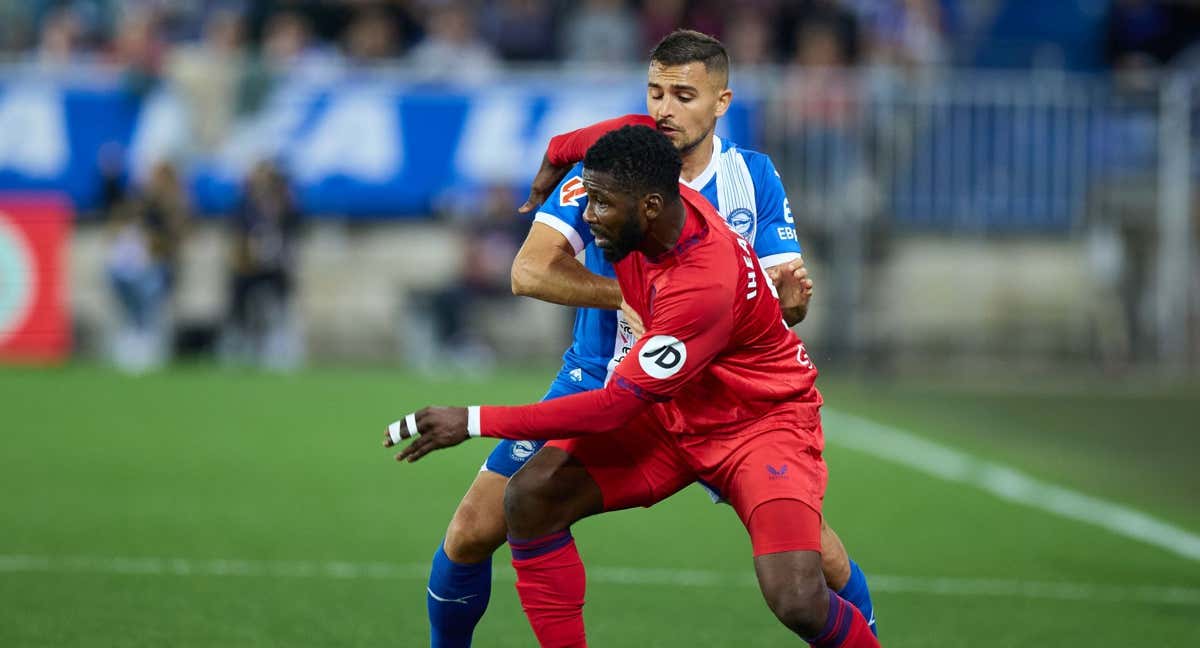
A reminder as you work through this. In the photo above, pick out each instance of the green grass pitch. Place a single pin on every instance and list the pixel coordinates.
(202, 507)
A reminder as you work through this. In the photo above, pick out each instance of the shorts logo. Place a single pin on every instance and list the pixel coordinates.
(522, 450)
(571, 192)
(777, 473)
(742, 222)
(576, 375)
(662, 356)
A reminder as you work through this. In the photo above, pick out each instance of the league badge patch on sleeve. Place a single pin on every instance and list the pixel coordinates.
(571, 192)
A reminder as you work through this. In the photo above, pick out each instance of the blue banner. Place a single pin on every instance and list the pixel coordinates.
(358, 148)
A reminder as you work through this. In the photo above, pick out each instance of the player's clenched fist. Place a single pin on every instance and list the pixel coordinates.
(793, 284)
(433, 427)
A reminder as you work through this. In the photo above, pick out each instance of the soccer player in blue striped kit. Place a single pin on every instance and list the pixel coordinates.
(687, 92)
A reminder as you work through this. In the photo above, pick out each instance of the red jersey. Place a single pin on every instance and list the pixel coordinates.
(716, 356)
(716, 346)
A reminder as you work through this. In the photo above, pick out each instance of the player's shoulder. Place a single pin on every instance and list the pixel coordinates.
(757, 161)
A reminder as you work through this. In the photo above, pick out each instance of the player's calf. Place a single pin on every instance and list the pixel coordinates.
(477, 529)
(795, 590)
(460, 578)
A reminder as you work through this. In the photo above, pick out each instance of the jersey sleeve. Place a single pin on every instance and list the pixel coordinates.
(776, 241)
(688, 327)
(563, 210)
(570, 147)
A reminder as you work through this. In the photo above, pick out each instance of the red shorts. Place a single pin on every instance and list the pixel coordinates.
(777, 458)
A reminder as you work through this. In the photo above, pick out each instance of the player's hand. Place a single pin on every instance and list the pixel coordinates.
(793, 284)
(547, 178)
(632, 319)
(437, 427)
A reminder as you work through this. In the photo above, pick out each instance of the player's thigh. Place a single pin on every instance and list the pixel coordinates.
(639, 465)
(477, 528)
(774, 463)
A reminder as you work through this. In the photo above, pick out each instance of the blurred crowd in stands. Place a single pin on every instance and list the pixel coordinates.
(223, 56)
(156, 37)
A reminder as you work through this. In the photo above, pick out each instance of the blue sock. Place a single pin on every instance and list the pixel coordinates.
(457, 597)
(858, 595)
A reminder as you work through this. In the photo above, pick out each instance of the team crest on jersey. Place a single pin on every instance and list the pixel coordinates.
(571, 192)
(742, 222)
(522, 450)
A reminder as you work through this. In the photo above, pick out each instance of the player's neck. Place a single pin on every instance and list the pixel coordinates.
(696, 160)
(665, 231)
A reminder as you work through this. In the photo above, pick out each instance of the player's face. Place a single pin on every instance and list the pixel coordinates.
(686, 100)
(614, 217)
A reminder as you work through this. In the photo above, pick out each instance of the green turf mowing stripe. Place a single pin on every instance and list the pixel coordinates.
(897, 446)
(597, 574)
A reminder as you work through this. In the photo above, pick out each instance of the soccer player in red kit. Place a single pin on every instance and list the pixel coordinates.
(718, 389)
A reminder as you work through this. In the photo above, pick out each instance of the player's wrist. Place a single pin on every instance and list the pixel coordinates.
(474, 426)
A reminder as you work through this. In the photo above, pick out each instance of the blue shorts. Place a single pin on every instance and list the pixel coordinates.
(508, 456)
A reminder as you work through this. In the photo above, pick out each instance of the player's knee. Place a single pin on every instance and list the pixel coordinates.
(474, 534)
(546, 495)
(800, 605)
(530, 507)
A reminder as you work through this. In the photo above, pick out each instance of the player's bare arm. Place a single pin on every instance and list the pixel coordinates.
(795, 289)
(546, 268)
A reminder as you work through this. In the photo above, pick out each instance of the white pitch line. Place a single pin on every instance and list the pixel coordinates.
(897, 446)
(634, 576)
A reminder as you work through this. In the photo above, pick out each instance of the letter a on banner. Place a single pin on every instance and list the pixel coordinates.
(33, 280)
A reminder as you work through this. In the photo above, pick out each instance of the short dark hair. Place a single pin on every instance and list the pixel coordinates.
(687, 46)
(640, 159)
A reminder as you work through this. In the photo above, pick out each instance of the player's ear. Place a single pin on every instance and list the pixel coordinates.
(724, 98)
(651, 206)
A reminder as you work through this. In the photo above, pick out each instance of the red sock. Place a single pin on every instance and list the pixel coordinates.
(845, 627)
(551, 584)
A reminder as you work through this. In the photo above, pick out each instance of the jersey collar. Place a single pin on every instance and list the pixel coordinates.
(709, 171)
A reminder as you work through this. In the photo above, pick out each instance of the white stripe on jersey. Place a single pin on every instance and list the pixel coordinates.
(735, 194)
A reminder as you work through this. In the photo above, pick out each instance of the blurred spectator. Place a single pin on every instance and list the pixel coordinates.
(209, 74)
(371, 37)
(600, 32)
(748, 39)
(60, 38)
(520, 30)
(903, 32)
(491, 235)
(139, 48)
(706, 17)
(661, 18)
(286, 37)
(147, 234)
(452, 49)
(262, 326)
(1149, 29)
(830, 17)
(16, 26)
(818, 117)
(288, 54)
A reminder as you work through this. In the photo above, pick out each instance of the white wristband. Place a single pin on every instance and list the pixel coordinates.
(397, 434)
(473, 427)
